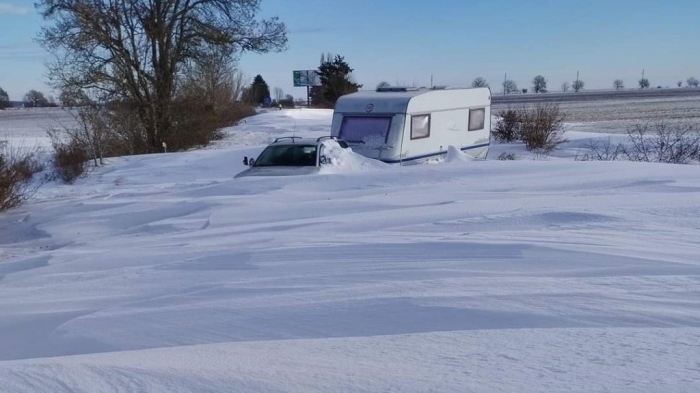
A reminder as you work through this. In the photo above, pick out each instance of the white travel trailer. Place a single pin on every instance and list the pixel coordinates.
(404, 125)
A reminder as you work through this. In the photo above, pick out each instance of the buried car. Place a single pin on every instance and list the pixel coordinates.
(288, 156)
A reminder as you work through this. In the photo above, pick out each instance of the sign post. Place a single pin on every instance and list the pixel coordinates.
(305, 78)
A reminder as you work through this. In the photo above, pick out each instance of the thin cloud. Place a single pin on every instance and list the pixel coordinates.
(313, 30)
(11, 9)
(21, 51)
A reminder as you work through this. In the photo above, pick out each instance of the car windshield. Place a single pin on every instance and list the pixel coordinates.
(287, 155)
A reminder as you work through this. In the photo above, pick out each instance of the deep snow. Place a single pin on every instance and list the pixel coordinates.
(162, 273)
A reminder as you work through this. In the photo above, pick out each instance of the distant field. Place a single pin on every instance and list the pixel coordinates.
(613, 111)
(591, 111)
(29, 126)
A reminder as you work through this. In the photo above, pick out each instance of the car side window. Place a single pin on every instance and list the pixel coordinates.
(308, 157)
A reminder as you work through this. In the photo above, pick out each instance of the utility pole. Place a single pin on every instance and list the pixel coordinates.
(310, 80)
(505, 77)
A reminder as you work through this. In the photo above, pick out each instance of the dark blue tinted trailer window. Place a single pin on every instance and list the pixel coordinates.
(365, 129)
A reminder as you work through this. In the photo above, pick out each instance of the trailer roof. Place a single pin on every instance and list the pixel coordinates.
(389, 100)
(391, 92)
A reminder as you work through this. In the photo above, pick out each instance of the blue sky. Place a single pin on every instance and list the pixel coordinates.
(407, 41)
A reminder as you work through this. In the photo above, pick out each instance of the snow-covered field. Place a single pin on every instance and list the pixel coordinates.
(27, 128)
(162, 273)
(611, 113)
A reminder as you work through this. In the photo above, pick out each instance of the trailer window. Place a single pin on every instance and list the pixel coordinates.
(476, 119)
(365, 129)
(420, 126)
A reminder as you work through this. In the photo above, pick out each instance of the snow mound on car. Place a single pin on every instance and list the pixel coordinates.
(344, 160)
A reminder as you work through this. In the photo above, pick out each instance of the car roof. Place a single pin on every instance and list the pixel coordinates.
(289, 140)
(297, 140)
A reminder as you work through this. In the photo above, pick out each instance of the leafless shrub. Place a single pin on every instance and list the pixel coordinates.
(208, 99)
(661, 142)
(202, 107)
(542, 127)
(538, 155)
(104, 129)
(127, 136)
(603, 151)
(539, 127)
(17, 168)
(92, 133)
(69, 161)
(507, 157)
(197, 123)
(657, 142)
(508, 125)
(233, 115)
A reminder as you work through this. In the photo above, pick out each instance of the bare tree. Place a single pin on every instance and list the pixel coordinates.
(213, 78)
(91, 135)
(479, 82)
(539, 84)
(71, 98)
(4, 99)
(618, 84)
(238, 84)
(644, 83)
(577, 85)
(509, 86)
(565, 87)
(279, 93)
(35, 98)
(692, 82)
(679, 83)
(133, 50)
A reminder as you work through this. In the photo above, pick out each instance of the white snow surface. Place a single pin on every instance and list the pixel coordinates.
(162, 273)
(27, 128)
